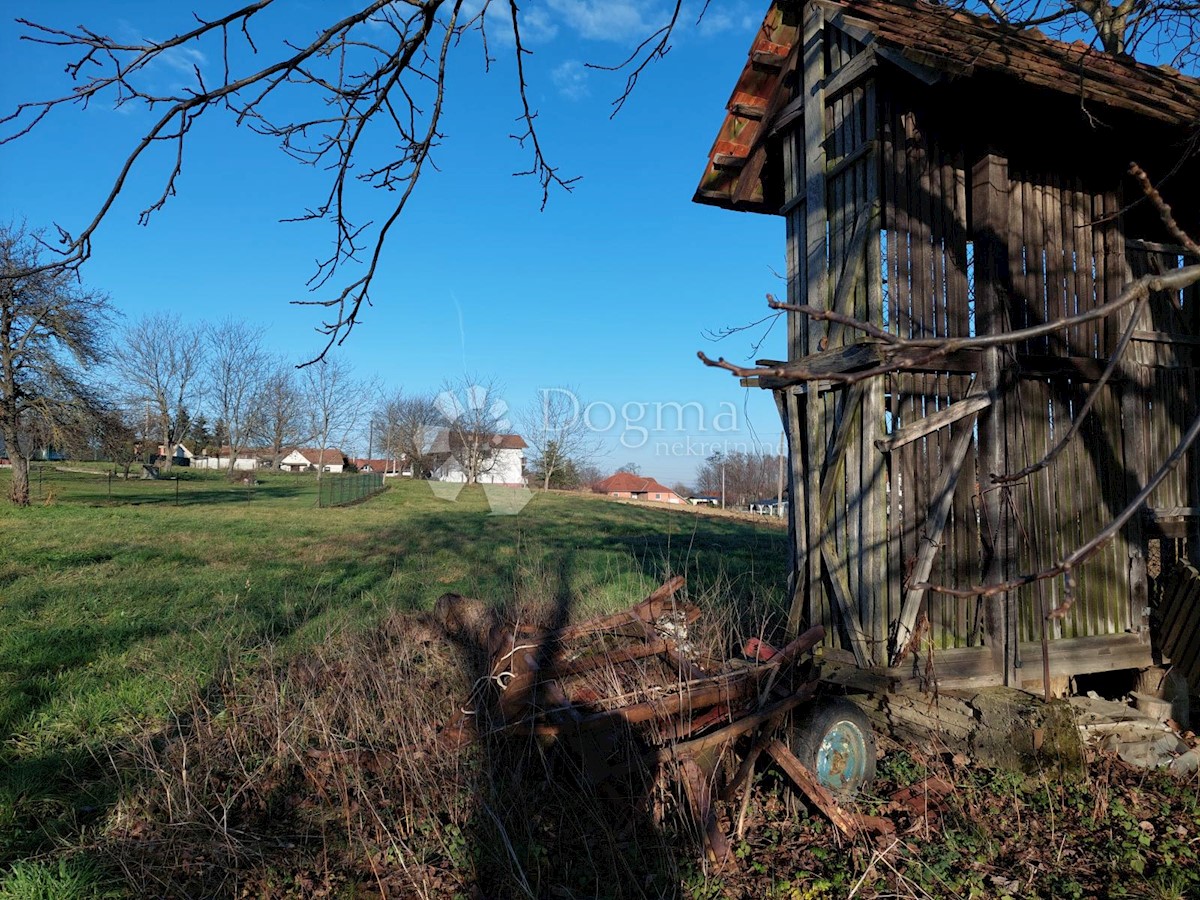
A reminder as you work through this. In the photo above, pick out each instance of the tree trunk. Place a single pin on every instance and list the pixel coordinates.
(167, 446)
(18, 491)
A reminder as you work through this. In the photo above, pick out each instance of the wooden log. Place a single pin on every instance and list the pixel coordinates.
(850, 824)
(935, 421)
(743, 725)
(700, 799)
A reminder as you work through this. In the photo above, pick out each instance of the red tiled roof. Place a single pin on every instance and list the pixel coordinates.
(956, 43)
(380, 465)
(332, 457)
(628, 483)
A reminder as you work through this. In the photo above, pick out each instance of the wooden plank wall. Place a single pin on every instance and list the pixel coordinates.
(1179, 623)
(1166, 354)
(926, 295)
(873, 156)
(855, 523)
(1064, 260)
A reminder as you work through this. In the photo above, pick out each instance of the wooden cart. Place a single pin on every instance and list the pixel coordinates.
(628, 692)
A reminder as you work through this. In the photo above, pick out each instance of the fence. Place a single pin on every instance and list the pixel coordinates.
(338, 490)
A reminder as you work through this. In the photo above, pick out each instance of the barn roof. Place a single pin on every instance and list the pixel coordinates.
(935, 42)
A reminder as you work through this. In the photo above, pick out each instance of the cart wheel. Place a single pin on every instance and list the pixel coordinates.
(833, 738)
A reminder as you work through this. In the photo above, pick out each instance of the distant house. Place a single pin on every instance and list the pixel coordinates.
(704, 501)
(305, 460)
(627, 486)
(247, 460)
(505, 463)
(389, 468)
(180, 455)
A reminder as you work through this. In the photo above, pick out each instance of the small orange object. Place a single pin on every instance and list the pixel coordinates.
(758, 650)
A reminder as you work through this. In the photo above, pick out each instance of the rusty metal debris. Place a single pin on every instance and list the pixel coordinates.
(628, 693)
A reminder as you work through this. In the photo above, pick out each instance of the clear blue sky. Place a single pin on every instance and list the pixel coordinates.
(609, 289)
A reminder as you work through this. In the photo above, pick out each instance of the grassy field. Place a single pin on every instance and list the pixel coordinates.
(120, 598)
(217, 690)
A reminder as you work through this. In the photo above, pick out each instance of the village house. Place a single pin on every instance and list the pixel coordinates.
(247, 459)
(503, 459)
(627, 486)
(330, 460)
(389, 468)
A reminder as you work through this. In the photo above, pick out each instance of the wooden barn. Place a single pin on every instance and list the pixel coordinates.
(947, 177)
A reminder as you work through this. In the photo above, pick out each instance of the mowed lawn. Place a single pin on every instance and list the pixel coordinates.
(118, 599)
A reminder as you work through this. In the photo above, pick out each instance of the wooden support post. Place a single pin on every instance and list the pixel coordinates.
(990, 230)
(816, 289)
(873, 585)
(798, 511)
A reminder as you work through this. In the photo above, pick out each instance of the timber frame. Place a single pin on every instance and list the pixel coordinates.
(945, 176)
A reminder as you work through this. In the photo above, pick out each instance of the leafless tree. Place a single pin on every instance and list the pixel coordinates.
(408, 426)
(237, 370)
(116, 438)
(334, 400)
(1150, 29)
(741, 476)
(474, 415)
(558, 433)
(282, 422)
(160, 360)
(325, 99)
(50, 327)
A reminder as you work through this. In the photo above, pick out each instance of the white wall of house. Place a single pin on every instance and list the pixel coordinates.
(294, 461)
(298, 462)
(506, 467)
(241, 464)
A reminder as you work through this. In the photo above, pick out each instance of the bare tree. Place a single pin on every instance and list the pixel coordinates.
(381, 67)
(1146, 28)
(558, 434)
(334, 401)
(282, 422)
(48, 325)
(160, 361)
(742, 477)
(475, 418)
(384, 65)
(408, 426)
(237, 367)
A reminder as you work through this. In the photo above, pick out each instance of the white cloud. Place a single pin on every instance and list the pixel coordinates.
(536, 26)
(571, 79)
(603, 20)
(182, 59)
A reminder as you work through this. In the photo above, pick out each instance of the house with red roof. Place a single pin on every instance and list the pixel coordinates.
(304, 460)
(627, 486)
(501, 456)
(386, 467)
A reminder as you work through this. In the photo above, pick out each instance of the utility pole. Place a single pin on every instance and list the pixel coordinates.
(722, 484)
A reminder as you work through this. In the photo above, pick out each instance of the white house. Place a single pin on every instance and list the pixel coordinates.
(180, 456)
(505, 460)
(303, 460)
(247, 460)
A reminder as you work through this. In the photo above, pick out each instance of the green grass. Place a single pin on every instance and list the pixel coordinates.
(119, 599)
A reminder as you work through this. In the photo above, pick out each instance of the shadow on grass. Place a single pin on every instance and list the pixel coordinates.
(571, 556)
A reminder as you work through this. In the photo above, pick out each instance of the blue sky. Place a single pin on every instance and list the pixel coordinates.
(610, 289)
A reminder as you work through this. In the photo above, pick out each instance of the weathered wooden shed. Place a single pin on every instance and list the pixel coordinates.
(945, 176)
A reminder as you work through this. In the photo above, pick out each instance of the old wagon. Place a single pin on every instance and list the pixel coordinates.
(630, 695)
